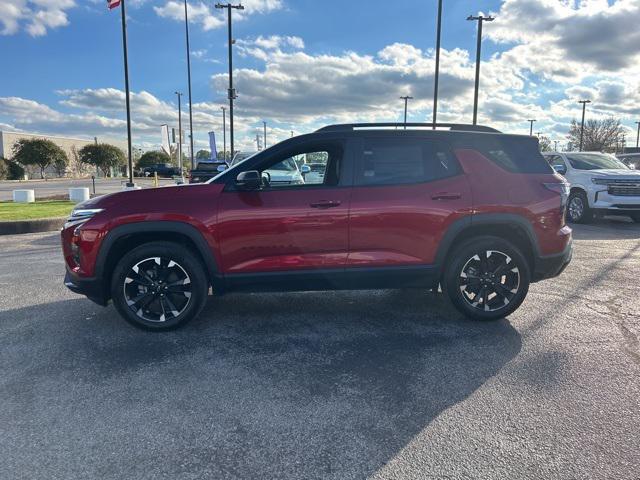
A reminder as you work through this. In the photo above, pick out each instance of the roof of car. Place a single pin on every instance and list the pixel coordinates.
(460, 127)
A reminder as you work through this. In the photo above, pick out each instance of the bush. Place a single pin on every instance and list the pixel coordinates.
(40, 152)
(10, 170)
(153, 157)
(103, 156)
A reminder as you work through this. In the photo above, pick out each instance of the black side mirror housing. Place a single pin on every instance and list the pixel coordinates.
(249, 180)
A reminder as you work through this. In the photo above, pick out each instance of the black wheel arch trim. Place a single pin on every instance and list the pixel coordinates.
(484, 219)
(161, 226)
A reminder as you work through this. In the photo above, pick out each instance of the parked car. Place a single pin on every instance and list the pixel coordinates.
(206, 170)
(162, 169)
(631, 160)
(600, 183)
(476, 211)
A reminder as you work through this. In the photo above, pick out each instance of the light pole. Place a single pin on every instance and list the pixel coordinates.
(264, 126)
(538, 134)
(231, 92)
(186, 27)
(584, 107)
(437, 73)
(224, 133)
(555, 148)
(179, 94)
(531, 127)
(638, 135)
(406, 98)
(480, 19)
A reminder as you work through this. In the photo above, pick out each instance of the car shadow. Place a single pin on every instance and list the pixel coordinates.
(607, 228)
(306, 385)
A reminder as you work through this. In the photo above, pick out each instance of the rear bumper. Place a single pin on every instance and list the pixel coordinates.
(92, 288)
(550, 266)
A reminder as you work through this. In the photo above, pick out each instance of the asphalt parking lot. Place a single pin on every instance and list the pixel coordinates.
(369, 384)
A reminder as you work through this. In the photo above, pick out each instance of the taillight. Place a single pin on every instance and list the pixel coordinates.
(561, 189)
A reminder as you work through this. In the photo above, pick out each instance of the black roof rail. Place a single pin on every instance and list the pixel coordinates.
(462, 127)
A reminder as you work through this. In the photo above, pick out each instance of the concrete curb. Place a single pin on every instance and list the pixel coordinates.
(31, 226)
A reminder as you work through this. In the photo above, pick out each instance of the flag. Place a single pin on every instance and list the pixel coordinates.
(212, 146)
(165, 139)
(113, 4)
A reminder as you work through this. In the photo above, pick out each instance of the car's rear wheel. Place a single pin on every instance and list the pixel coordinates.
(486, 278)
(159, 286)
(578, 210)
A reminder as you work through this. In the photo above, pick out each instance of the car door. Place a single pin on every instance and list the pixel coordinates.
(407, 191)
(287, 226)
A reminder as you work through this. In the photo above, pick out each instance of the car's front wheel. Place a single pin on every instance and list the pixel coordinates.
(486, 278)
(578, 210)
(159, 286)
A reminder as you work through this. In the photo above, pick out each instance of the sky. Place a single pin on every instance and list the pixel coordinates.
(302, 64)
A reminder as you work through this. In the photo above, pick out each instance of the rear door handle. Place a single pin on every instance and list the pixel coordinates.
(325, 204)
(446, 196)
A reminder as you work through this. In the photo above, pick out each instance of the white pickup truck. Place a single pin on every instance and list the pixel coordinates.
(600, 183)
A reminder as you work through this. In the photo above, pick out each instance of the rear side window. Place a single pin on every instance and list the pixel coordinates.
(389, 161)
(514, 154)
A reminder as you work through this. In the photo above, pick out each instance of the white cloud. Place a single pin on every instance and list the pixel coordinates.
(34, 16)
(205, 13)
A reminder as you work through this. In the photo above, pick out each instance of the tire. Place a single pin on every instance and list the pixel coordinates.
(159, 286)
(466, 277)
(578, 210)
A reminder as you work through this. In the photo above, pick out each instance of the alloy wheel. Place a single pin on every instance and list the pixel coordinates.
(489, 280)
(157, 289)
(576, 208)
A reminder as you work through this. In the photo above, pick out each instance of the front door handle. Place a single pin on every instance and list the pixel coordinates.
(325, 204)
(446, 196)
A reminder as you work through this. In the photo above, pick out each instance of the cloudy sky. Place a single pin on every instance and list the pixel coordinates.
(300, 64)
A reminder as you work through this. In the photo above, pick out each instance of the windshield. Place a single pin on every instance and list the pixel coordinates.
(241, 157)
(591, 161)
(287, 165)
(208, 167)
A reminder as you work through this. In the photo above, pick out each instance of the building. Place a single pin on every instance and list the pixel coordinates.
(68, 144)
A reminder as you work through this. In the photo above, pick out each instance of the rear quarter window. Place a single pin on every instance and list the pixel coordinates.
(514, 154)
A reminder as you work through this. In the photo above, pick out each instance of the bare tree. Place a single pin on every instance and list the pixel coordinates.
(599, 135)
(545, 144)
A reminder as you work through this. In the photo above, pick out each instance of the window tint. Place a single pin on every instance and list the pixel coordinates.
(515, 154)
(387, 161)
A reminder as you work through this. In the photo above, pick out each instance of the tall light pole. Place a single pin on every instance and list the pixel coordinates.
(179, 94)
(186, 27)
(480, 19)
(531, 127)
(231, 94)
(406, 98)
(638, 135)
(437, 72)
(224, 134)
(538, 134)
(264, 126)
(584, 107)
(555, 148)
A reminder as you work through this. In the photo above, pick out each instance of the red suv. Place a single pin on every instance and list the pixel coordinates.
(478, 212)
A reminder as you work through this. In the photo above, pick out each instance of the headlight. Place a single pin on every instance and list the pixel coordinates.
(599, 180)
(81, 215)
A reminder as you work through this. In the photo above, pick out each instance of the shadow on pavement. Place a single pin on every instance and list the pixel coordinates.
(312, 385)
(607, 228)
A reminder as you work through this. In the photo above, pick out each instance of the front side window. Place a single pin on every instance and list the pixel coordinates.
(591, 161)
(388, 161)
(311, 166)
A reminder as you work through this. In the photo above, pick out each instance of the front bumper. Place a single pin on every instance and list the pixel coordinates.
(92, 288)
(603, 200)
(550, 266)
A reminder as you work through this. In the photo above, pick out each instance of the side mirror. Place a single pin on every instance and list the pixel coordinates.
(250, 180)
(304, 169)
(221, 168)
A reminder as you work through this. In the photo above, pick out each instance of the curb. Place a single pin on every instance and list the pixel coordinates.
(31, 226)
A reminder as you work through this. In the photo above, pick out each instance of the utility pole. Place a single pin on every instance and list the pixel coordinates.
(406, 98)
(264, 126)
(111, 4)
(437, 73)
(186, 27)
(224, 134)
(292, 132)
(231, 92)
(258, 142)
(556, 145)
(538, 134)
(584, 107)
(638, 135)
(531, 127)
(480, 19)
(179, 94)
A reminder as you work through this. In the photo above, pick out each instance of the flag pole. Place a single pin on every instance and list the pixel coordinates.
(127, 93)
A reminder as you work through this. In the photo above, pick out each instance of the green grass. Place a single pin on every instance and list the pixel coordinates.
(10, 211)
